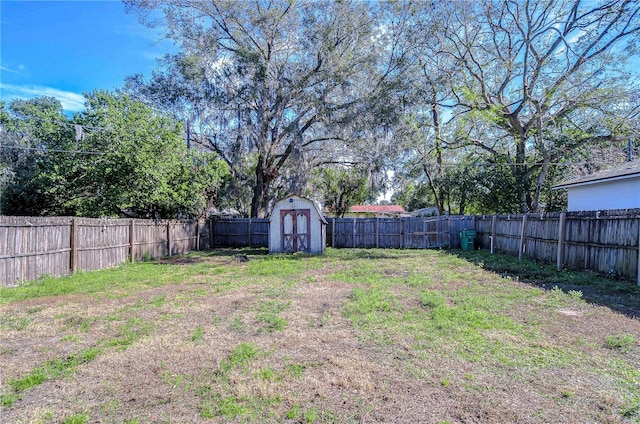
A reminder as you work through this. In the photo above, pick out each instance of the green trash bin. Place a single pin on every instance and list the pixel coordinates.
(467, 239)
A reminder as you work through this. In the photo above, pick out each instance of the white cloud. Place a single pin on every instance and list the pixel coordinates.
(71, 102)
(13, 71)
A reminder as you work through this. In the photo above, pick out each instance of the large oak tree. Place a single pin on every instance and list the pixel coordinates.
(539, 79)
(518, 86)
(269, 84)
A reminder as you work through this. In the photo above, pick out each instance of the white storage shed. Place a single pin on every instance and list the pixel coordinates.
(296, 225)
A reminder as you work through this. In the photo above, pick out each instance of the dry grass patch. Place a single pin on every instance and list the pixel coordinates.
(352, 336)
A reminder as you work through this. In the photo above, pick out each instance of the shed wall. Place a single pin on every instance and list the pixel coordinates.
(318, 238)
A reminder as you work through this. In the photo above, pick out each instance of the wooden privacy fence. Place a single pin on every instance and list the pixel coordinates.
(419, 233)
(31, 247)
(607, 242)
(399, 233)
(239, 232)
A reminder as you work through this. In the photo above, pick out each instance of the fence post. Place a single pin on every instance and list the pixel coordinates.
(198, 234)
(132, 242)
(249, 232)
(210, 232)
(494, 221)
(425, 238)
(639, 252)
(522, 236)
(169, 238)
(561, 240)
(377, 232)
(354, 233)
(73, 263)
(401, 233)
(333, 232)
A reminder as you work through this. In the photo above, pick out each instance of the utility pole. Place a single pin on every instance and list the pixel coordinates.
(188, 136)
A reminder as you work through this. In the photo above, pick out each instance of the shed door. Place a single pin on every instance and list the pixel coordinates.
(296, 230)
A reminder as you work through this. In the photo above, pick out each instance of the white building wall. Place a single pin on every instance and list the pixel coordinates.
(620, 194)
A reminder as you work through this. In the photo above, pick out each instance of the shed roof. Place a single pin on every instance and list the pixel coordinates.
(625, 170)
(315, 205)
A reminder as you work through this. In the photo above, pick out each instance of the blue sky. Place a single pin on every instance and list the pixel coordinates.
(65, 48)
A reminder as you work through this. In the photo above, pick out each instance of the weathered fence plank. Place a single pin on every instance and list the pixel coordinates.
(607, 242)
(240, 232)
(31, 247)
(394, 233)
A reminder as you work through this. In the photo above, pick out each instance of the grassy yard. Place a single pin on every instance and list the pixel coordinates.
(351, 336)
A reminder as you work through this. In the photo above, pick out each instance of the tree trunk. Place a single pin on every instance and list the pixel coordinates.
(463, 202)
(520, 174)
(535, 207)
(260, 191)
(439, 192)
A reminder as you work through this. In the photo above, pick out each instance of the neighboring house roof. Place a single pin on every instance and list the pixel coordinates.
(388, 209)
(431, 210)
(225, 213)
(626, 170)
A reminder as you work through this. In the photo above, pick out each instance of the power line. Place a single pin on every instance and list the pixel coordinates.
(52, 121)
(487, 164)
(47, 150)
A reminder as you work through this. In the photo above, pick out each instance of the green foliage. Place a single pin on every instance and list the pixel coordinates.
(536, 271)
(475, 184)
(431, 299)
(215, 400)
(414, 195)
(328, 91)
(269, 315)
(556, 298)
(52, 369)
(14, 323)
(310, 415)
(130, 160)
(76, 419)
(240, 356)
(121, 279)
(370, 306)
(197, 335)
(528, 105)
(268, 374)
(622, 342)
(8, 400)
(230, 407)
(341, 188)
(130, 332)
(296, 370)
(34, 175)
(372, 300)
(632, 410)
(292, 413)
